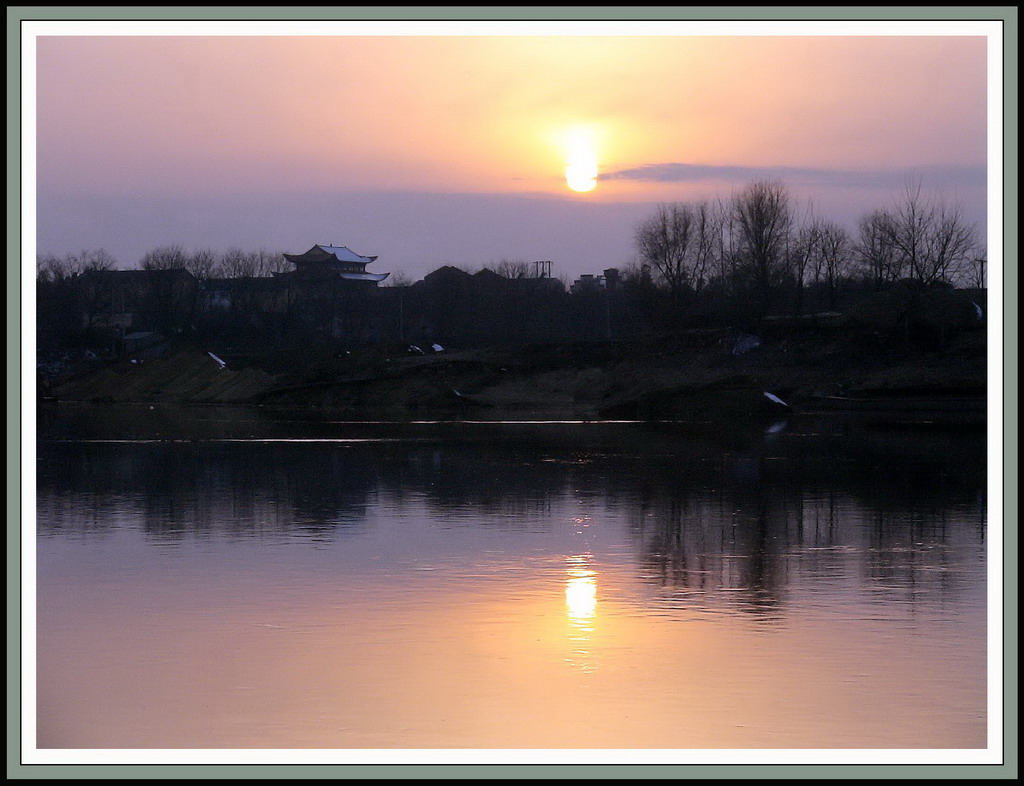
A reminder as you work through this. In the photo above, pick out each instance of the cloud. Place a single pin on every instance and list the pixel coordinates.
(931, 176)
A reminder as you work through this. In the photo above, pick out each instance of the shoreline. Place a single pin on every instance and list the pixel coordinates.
(692, 378)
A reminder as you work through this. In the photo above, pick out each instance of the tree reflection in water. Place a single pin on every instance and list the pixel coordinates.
(713, 514)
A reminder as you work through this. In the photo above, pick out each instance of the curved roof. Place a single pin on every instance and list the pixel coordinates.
(345, 254)
(364, 276)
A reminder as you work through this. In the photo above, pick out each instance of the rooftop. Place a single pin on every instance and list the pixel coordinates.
(345, 254)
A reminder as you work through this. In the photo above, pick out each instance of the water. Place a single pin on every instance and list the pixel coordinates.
(254, 581)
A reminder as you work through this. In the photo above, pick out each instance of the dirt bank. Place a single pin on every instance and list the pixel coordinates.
(185, 376)
(696, 374)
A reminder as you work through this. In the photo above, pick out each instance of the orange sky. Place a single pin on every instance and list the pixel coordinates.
(214, 116)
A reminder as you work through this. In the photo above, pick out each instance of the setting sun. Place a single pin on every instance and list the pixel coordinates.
(581, 160)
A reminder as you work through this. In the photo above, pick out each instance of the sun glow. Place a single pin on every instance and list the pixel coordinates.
(581, 160)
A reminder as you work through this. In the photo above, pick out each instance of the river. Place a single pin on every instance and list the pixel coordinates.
(215, 578)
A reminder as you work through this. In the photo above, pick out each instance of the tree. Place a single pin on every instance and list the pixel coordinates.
(50, 267)
(953, 245)
(164, 258)
(513, 268)
(202, 264)
(928, 237)
(708, 227)
(270, 262)
(834, 253)
(664, 242)
(879, 259)
(761, 222)
(236, 263)
(977, 271)
(803, 252)
(97, 259)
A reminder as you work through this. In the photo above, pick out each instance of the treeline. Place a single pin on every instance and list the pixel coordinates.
(699, 264)
(86, 300)
(203, 264)
(759, 253)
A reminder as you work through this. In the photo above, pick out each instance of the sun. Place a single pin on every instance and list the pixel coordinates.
(581, 160)
(581, 175)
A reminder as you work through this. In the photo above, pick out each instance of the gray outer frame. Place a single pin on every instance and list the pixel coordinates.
(508, 769)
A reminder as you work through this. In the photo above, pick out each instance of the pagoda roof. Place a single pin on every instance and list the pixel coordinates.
(364, 276)
(340, 253)
(333, 261)
(346, 254)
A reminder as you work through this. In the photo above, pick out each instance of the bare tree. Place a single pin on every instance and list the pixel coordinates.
(98, 259)
(952, 245)
(663, 241)
(50, 267)
(708, 225)
(43, 266)
(929, 237)
(835, 252)
(762, 218)
(726, 257)
(879, 259)
(977, 272)
(171, 257)
(236, 263)
(202, 264)
(803, 251)
(269, 262)
(513, 268)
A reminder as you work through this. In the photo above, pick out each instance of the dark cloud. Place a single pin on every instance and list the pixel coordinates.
(932, 176)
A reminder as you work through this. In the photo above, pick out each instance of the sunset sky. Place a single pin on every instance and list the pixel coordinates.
(453, 150)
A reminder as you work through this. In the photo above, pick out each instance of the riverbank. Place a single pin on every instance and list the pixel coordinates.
(697, 375)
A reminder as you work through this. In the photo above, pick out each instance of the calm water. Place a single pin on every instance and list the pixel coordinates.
(251, 582)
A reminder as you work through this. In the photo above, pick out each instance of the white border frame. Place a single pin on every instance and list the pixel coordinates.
(991, 30)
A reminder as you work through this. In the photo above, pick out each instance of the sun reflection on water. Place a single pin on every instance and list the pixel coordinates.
(581, 599)
(580, 594)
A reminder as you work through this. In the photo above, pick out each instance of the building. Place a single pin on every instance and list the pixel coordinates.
(125, 300)
(333, 262)
(588, 282)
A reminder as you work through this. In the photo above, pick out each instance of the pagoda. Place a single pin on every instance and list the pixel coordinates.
(334, 262)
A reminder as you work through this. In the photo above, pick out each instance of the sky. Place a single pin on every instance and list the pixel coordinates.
(433, 150)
